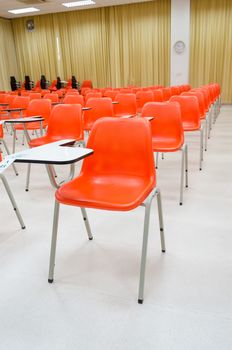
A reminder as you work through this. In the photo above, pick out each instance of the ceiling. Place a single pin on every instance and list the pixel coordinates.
(51, 6)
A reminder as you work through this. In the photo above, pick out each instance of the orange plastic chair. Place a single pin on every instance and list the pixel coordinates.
(100, 107)
(25, 93)
(65, 122)
(175, 90)
(74, 99)
(190, 115)
(125, 105)
(37, 107)
(204, 116)
(72, 92)
(44, 92)
(3, 98)
(110, 93)
(52, 87)
(35, 95)
(53, 97)
(92, 94)
(168, 134)
(20, 102)
(143, 97)
(158, 95)
(87, 84)
(167, 93)
(119, 176)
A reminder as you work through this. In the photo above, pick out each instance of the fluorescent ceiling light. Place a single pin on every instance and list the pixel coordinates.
(79, 3)
(24, 10)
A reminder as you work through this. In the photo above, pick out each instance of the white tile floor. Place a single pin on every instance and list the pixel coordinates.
(93, 301)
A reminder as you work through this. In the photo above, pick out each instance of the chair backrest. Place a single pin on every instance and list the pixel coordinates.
(167, 122)
(72, 92)
(201, 100)
(53, 97)
(87, 84)
(143, 97)
(40, 107)
(25, 93)
(3, 98)
(66, 122)
(20, 102)
(126, 104)
(175, 90)
(1, 137)
(100, 107)
(125, 91)
(190, 111)
(158, 95)
(74, 99)
(92, 94)
(10, 99)
(35, 95)
(110, 93)
(122, 148)
(167, 93)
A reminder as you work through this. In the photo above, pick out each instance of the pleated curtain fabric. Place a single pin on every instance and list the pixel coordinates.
(112, 46)
(8, 63)
(211, 44)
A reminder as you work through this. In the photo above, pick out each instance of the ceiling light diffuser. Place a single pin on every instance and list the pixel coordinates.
(79, 3)
(24, 10)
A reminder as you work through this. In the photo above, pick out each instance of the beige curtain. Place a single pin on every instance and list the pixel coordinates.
(211, 44)
(8, 65)
(112, 46)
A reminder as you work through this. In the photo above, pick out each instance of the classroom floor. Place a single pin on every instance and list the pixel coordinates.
(92, 303)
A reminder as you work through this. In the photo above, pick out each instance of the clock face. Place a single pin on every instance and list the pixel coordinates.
(179, 46)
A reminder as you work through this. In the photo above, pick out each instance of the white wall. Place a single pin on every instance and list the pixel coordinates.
(180, 30)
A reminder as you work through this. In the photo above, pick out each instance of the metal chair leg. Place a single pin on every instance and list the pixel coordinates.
(87, 225)
(14, 140)
(28, 176)
(147, 205)
(8, 190)
(201, 148)
(144, 251)
(186, 165)
(182, 174)
(156, 160)
(161, 223)
(53, 243)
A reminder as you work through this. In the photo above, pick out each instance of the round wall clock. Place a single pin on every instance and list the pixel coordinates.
(179, 46)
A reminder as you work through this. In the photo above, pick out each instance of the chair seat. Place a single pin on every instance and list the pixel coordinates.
(165, 145)
(40, 141)
(106, 192)
(191, 126)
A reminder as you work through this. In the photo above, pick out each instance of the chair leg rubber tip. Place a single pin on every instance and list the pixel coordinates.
(23, 227)
(17, 174)
(186, 186)
(140, 301)
(181, 203)
(26, 190)
(50, 280)
(90, 238)
(163, 250)
(200, 169)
